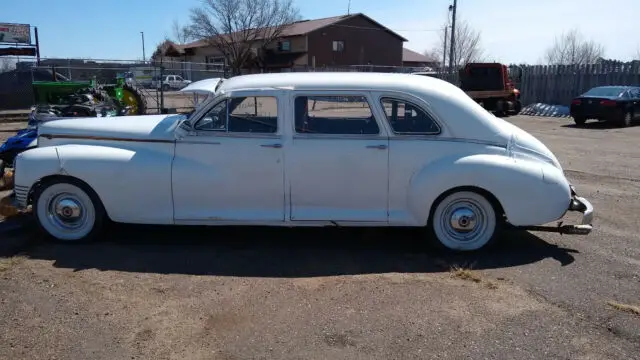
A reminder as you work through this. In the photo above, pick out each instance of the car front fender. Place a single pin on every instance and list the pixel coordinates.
(518, 185)
(134, 184)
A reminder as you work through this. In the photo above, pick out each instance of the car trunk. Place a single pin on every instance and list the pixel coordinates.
(596, 107)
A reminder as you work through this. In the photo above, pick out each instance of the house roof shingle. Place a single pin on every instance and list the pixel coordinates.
(302, 27)
(412, 56)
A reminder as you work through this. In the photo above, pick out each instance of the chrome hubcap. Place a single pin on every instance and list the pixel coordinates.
(464, 221)
(66, 211)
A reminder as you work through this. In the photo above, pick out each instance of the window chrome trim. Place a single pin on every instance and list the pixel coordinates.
(407, 134)
(308, 136)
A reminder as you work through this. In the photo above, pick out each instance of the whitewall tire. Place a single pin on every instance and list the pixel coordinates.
(68, 210)
(465, 221)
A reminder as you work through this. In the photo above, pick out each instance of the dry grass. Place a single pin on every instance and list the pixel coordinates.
(9, 262)
(463, 273)
(624, 307)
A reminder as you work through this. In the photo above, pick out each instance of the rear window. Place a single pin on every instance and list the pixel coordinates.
(605, 91)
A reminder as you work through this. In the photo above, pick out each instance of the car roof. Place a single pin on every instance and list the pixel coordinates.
(340, 81)
(614, 87)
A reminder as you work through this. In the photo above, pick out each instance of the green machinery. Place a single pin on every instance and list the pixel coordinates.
(121, 94)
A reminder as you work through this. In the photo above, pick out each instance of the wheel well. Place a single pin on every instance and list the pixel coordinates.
(70, 179)
(488, 195)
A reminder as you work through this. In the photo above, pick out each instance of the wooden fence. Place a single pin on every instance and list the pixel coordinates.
(557, 85)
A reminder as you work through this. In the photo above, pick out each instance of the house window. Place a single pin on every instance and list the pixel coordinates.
(338, 45)
(336, 115)
(215, 63)
(284, 45)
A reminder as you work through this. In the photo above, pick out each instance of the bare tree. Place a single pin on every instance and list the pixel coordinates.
(571, 48)
(432, 56)
(180, 34)
(241, 29)
(467, 47)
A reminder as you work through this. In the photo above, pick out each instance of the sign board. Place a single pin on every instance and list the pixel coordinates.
(18, 51)
(15, 33)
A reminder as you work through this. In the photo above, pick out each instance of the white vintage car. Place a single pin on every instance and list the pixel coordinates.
(302, 149)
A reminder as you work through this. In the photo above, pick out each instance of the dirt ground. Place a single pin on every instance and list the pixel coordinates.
(234, 293)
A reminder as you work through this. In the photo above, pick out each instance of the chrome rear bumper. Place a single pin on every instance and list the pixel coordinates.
(583, 227)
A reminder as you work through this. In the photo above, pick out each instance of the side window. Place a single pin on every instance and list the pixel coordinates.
(242, 115)
(338, 115)
(635, 93)
(407, 118)
(215, 119)
(253, 114)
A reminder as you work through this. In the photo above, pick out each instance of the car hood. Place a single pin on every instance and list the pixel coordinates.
(144, 127)
(206, 86)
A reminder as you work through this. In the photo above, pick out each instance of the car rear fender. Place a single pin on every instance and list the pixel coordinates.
(518, 185)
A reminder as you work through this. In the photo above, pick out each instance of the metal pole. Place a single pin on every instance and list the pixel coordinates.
(143, 54)
(444, 50)
(349, 7)
(37, 46)
(453, 36)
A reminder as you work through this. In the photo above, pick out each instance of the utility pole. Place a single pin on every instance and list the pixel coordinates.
(444, 50)
(143, 55)
(453, 34)
(349, 8)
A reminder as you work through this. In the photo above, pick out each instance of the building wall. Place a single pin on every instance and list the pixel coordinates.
(296, 44)
(361, 46)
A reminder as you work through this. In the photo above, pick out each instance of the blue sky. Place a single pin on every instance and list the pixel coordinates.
(512, 30)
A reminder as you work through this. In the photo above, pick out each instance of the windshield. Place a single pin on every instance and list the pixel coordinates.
(605, 91)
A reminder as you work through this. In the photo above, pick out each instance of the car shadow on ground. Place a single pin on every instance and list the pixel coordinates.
(282, 252)
(595, 125)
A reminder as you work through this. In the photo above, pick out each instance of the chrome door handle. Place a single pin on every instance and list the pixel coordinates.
(276, 146)
(379, 147)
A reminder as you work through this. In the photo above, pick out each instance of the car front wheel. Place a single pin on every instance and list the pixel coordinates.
(626, 119)
(464, 221)
(68, 210)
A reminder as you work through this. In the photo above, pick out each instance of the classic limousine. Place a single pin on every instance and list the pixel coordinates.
(302, 149)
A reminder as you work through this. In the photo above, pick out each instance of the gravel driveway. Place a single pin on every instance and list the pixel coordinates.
(264, 293)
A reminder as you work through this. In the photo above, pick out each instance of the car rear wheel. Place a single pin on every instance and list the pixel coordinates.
(68, 210)
(465, 221)
(580, 121)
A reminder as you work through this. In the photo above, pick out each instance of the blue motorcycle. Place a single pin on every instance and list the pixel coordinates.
(25, 139)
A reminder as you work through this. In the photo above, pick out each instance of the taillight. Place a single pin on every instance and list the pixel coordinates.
(576, 102)
(608, 103)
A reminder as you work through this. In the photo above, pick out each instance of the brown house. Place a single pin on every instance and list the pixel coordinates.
(336, 41)
(413, 59)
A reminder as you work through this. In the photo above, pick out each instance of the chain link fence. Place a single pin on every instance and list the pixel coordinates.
(156, 85)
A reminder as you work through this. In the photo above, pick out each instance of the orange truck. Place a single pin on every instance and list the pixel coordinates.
(492, 86)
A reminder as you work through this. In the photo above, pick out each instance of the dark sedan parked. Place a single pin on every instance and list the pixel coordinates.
(618, 104)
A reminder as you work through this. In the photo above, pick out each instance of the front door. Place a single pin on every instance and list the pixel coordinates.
(230, 169)
(337, 162)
